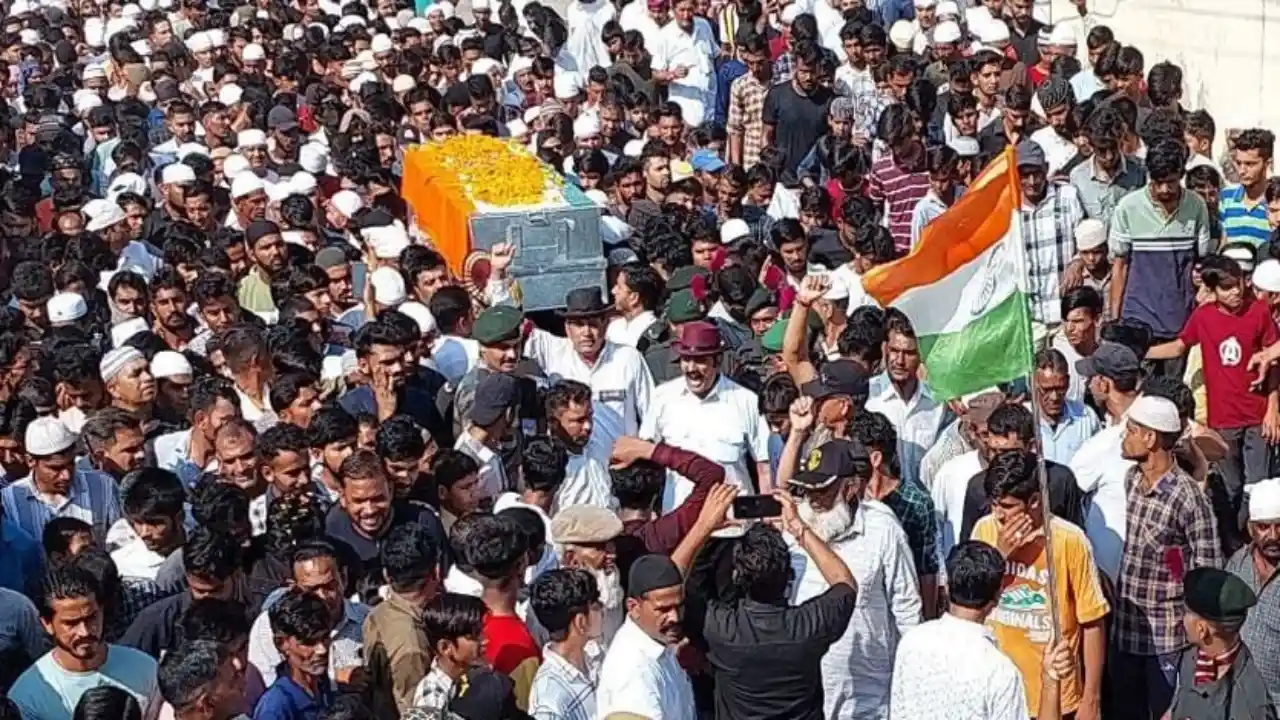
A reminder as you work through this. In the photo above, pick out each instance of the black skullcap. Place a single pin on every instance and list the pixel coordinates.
(65, 53)
(1056, 93)
(259, 229)
(652, 572)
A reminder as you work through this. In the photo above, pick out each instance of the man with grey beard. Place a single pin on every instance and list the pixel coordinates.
(584, 537)
(857, 669)
(1256, 564)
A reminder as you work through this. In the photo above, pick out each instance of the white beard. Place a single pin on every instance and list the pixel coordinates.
(830, 524)
(610, 585)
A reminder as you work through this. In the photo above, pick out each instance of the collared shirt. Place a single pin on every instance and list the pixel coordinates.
(642, 676)
(1058, 150)
(1161, 250)
(1060, 441)
(561, 691)
(287, 700)
(1100, 195)
(695, 93)
(1260, 626)
(173, 453)
(724, 426)
(1170, 530)
(586, 482)
(261, 416)
(746, 115)
(619, 379)
(1048, 232)
(492, 475)
(435, 691)
(1241, 221)
(622, 331)
(92, 497)
(345, 651)
(949, 490)
(1100, 471)
(917, 419)
(393, 634)
(911, 503)
(951, 668)
(857, 668)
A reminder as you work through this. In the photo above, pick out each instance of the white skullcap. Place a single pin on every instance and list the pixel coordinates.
(131, 10)
(47, 436)
(252, 137)
(348, 21)
(532, 114)
(116, 360)
(388, 286)
(925, 4)
(586, 126)
(633, 148)
(108, 215)
(313, 158)
(1264, 500)
(992, 32)
(85, 100)
(902, 34)
(167, 364)
(1156, 413)
(233, 165)
(177, 174)
(1090, 234)
(246, 183)
(1266, 276)
(422, 25)
(520, 64)
(347, 203)
(19, 7)
(147, 5)
(946, 32)
(567, 86)
(95, 33)
(29, 37)
(387, 241)
(484, 66)
(481, 5)
(218, 37)
(142, 47)
(66, 307)
(421, 315)
(965, 147)
(734, 229)
(230, 94)
(789, 14)
(948, 8)
(1063, 35)
(381, 44)
(115, 26)
(293, 32)
(126, 182)
(303, 183)
(121, 333)
(517, 128)
(192, 148)
(93, 72)
(277, 192)
(253, 52)
(1242, 255)
(445, 9)
(199, 42)
(403, 84)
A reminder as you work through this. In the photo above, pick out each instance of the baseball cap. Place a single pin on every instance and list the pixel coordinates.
(838, 377)
(706, 161)
(826, 463)
(1111, 360)
(282, 118)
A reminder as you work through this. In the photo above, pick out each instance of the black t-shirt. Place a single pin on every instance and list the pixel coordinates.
(798, 120)
(362, 555)
(1065, 499)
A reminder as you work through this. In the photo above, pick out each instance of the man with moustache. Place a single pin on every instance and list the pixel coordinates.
(865, 535)
(1256, 564)
(570, 418)
(130, 387)
(1057, 138)
(706, 411)
(235, 450)
(584, 536)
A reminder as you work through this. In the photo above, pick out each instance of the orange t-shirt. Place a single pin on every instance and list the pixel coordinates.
(1021, 621)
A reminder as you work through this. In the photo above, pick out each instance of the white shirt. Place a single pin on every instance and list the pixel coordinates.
(454, 356)
(696, 91)
(1078, 385)
(642, 676)
(917, 420)
(261, 416)
(1058, 150)
(950, 669)
(858, 296)
(135, 560)
(344, 652)
(1100, 469)
(725, 426)
(561, 691)
(173, 453)
(635, 16)
(619, 379)
(857, 668)
(949, 488)
(492, 476)
(622, 331)
(586, 482)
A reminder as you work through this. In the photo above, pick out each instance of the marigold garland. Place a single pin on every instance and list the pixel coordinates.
(492, 170)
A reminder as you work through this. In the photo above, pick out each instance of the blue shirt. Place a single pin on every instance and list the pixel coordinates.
(1241, 222)
(21, 561)
(1061, 441)
(729, 71)
(286, 700)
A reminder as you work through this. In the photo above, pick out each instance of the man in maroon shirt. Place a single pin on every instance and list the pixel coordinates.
(900, 178)
(639, 472)
(1230, 330)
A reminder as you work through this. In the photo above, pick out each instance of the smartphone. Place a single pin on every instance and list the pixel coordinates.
(754, 507)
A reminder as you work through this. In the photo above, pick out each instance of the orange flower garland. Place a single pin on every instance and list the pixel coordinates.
(492, 170)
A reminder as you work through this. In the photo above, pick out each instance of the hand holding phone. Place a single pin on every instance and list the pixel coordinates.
(756, 507)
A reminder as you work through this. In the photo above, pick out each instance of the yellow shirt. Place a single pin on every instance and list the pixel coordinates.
(1021, 621)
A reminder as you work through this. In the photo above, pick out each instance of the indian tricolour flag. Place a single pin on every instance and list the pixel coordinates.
(964, 287)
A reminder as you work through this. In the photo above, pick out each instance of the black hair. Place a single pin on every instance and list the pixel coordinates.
(761, 566)
(186, 673)
(331, 424)
(565, 393)
(409, 557)
(560, 595)
(874, 432)
(1262, 141)
(100, 427)
(210, 555)
(1217, 271)
(152, 495)
(1200, 125)
(1166, 160)
(58, 532)
(975, 574)
(451, 616)
(494, 547)
(778, 393)
(544, 463)
(67, 582)
(1012, 419)
(215, 620)
(638, 485)
(301, 616)
(645, 282)
(399, 439)
(107, 702)
(1012, 473)
(863, 336)
(282, 438)
(1082, 298)
(286, 389)
(31, 281)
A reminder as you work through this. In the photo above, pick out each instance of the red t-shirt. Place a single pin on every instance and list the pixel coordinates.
(1226, 341)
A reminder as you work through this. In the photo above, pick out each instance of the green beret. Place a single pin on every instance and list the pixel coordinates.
(683, 307)
(772, 338)
(497, 324)
(1217, 595)
(759, 300)
(683, 277)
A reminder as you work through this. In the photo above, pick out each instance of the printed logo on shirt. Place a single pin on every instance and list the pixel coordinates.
(1229, 352)
(1024, 604)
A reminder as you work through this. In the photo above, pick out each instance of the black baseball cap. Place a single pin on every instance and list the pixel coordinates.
(496, 393)
(838, 377)
(833, 459)
(1111, 360)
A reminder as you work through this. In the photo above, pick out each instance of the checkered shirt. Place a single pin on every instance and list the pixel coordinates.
(561, 692)
(136, 595)
(1048, 232)
(434, 691)
(746, 115)
(915, 512)
(1169, 531)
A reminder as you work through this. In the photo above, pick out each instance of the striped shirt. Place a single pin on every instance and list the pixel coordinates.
(900, 188)
(1161, 249)
(1048, 234)
(92, 498)
(1239, 220)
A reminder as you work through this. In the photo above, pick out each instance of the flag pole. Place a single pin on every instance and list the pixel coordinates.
(1042, 473)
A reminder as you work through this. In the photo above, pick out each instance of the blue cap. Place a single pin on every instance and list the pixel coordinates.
(706, 161)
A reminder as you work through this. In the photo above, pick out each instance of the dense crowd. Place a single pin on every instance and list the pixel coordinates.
(269, 450)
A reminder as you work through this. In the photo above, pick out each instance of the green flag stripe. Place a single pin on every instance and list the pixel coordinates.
(993, 348)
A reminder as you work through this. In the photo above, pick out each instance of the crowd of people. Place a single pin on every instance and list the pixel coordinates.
(267, 453)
